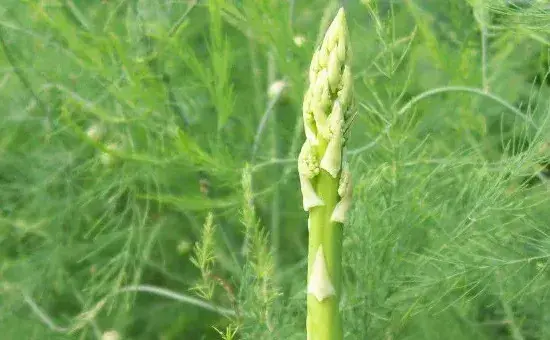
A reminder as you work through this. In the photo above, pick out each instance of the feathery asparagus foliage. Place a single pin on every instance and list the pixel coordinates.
(205, 257)
(125, 124)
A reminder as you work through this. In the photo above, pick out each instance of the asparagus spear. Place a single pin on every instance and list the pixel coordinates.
(324, 178)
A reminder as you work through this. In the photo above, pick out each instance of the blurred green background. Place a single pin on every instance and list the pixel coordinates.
(150, 145)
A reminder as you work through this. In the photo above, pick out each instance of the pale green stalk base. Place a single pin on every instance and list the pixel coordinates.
(324, 321)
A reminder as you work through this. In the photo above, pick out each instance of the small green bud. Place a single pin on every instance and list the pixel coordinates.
(346, 90)
(322, 58)
(308, 162)
(309, 122)
(308, 168)
(321, 91)
(334, 70)
(345, 191)
(332, 159)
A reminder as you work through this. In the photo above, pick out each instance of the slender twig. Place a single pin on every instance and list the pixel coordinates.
(78, 15)
(255, 75)
(51, 324)
(180, 21)
(87, 317)
(291, 10)
(273, 161)
(484, 79)
(439, 90)
(473, 90)
(178, 297)
(276, 201)
(93, 322)
(261, 126)
(481, 18)
(44, 318)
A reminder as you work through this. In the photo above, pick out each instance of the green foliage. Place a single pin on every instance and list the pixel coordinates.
(125, 125)
(204, 258)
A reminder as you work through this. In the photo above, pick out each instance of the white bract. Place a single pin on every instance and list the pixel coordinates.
(345, 191)
(319, 284)
(308, 168)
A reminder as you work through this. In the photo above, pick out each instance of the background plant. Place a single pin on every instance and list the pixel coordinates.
(127, 125)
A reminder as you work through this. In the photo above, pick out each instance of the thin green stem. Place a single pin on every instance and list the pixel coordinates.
(473, 90)
(44, 318)
(276, 201)
(178, 297)
(439, 90)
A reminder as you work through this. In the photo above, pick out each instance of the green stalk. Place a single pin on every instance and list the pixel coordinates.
(324, 179)
(324, 320)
